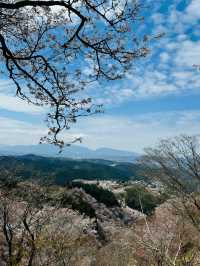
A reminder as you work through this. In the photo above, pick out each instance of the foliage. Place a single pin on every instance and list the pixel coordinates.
(47, 236)
(60, 171)
(77, 203)
(100, 194)
(175, 163)
(38, 225)
(139, 198)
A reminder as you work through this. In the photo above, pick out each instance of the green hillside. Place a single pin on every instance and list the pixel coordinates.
(60, 171)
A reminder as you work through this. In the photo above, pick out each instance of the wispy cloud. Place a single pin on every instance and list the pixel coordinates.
(15, 104)
(12, 103)
(188, 54)
(130, 133)
(192, 14)
(136, 132)
(15, 132)
(169, 69)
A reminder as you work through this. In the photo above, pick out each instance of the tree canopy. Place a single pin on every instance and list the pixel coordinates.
(175, 163)
(53, 49)
(139, 198)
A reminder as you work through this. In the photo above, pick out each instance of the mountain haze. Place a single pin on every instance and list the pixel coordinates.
(74, 152)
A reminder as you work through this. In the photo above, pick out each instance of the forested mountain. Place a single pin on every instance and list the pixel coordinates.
(61, 170)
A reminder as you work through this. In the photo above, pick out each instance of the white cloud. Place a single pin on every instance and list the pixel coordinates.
(15, 132)
(6, 86)
(169, 69)
(136, 132)
(157, 18)
(151, 84)
(12, 103)
(164, 57)
(152, 81)
(17, 105)
(130, 133)
(192, 14)
(188, 54)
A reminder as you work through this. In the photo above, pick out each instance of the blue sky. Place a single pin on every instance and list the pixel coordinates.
(159, 97)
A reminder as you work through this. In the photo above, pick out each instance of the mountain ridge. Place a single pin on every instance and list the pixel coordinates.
(62, 170)
(74, 152)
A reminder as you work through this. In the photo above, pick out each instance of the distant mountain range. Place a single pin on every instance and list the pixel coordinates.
(74, 152)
